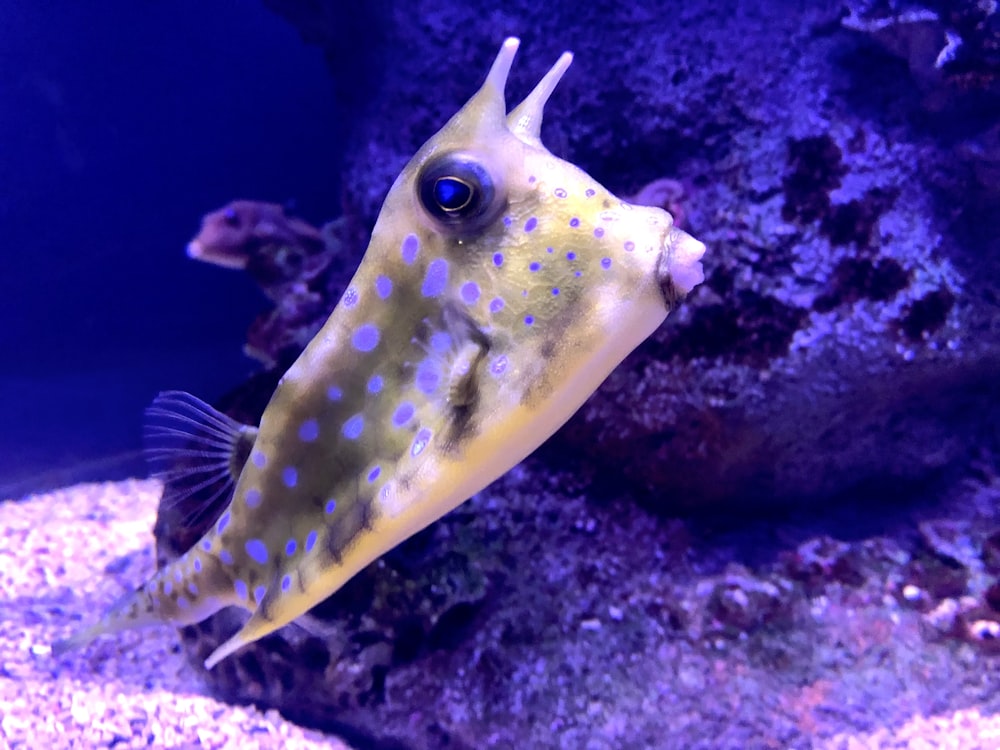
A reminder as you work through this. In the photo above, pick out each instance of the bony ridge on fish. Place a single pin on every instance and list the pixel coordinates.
(500, 288)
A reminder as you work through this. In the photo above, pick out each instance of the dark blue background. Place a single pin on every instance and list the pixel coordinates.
(121, 123)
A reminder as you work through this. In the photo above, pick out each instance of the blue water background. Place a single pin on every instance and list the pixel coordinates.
(121, 124)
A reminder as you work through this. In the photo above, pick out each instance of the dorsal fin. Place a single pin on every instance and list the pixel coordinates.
(194, 449)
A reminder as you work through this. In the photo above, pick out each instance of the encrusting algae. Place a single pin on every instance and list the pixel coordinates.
(500, 288)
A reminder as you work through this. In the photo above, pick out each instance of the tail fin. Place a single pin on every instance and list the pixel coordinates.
(133, 610)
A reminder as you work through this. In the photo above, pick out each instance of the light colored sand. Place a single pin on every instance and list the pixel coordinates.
(131, 690)
(136, 689)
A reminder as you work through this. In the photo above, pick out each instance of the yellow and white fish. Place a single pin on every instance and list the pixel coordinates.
(500, 287)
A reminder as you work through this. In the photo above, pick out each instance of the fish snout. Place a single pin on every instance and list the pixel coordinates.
(678, 268)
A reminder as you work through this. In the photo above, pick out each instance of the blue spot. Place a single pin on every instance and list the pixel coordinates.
(559, 193)
(383, 285)
(290, 547)
(530, 224)
(570, 255)
(578, 274)
(550, 250)
(605, 262)
(496, 305)
(354, 426)
(470, 292)
(534, 266)
(629, 246)
(257, 551)
(331, 505)
(350, 298)
(226, 557)
(529, 320)
(507, 221)
(168, 587)
(555, 291)
(182, 602)
(499, 365)
(402, 414)
(223, 522)
(498, 259)
(259, 459)
(178, 576)
(286, 583)
(252, 497)
(574, 222)
(311, 540)
(258, 593)
(373, 474)
(206, 544)
(440, 342)
(309, 430)
(599, 232)
(197, 565)
(290, 476)
(375, 384)
(241, 589)
(428, 376)
(334, 393)
(410, 248)
(420, 441)
(193, 588)
(366, 337)
(435, 278)
(589, 193)
(531, 178)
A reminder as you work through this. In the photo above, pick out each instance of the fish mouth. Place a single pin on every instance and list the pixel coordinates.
(679, 268)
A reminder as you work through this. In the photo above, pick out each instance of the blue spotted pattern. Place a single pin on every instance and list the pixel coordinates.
(366, 337)
(410, 248)
(403, 414)
(354, 426)
(309, 430)
(435, 278)
(257, 551)
(470, 292)
(290, 476)
(375, 384)
(311, 540)
(428, 376)
(223, 522)
(290, 547)
(331, 505)
(226, 557)
(383, 286)
(241, 589)
(252, 497)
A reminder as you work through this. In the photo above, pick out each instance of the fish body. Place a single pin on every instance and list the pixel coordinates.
(501, 286)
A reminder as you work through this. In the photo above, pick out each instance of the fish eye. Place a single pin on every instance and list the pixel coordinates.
(458, 192)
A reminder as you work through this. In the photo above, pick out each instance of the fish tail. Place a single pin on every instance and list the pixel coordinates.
(170, 597)
(133, 610)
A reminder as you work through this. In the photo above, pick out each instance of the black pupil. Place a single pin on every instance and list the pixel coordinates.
(452, 194)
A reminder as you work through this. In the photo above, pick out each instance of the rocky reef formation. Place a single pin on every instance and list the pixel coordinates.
(839, 361)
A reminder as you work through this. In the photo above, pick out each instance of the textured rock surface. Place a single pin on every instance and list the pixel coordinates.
(846, 340)
(849, 326)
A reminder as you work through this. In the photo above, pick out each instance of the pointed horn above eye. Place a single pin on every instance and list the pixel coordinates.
(497, 76)
(525, 121)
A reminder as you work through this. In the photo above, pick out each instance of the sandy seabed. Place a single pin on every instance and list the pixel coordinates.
(64, 557)
(67, 555)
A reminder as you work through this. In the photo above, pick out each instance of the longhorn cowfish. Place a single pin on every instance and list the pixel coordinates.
(500, 288)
